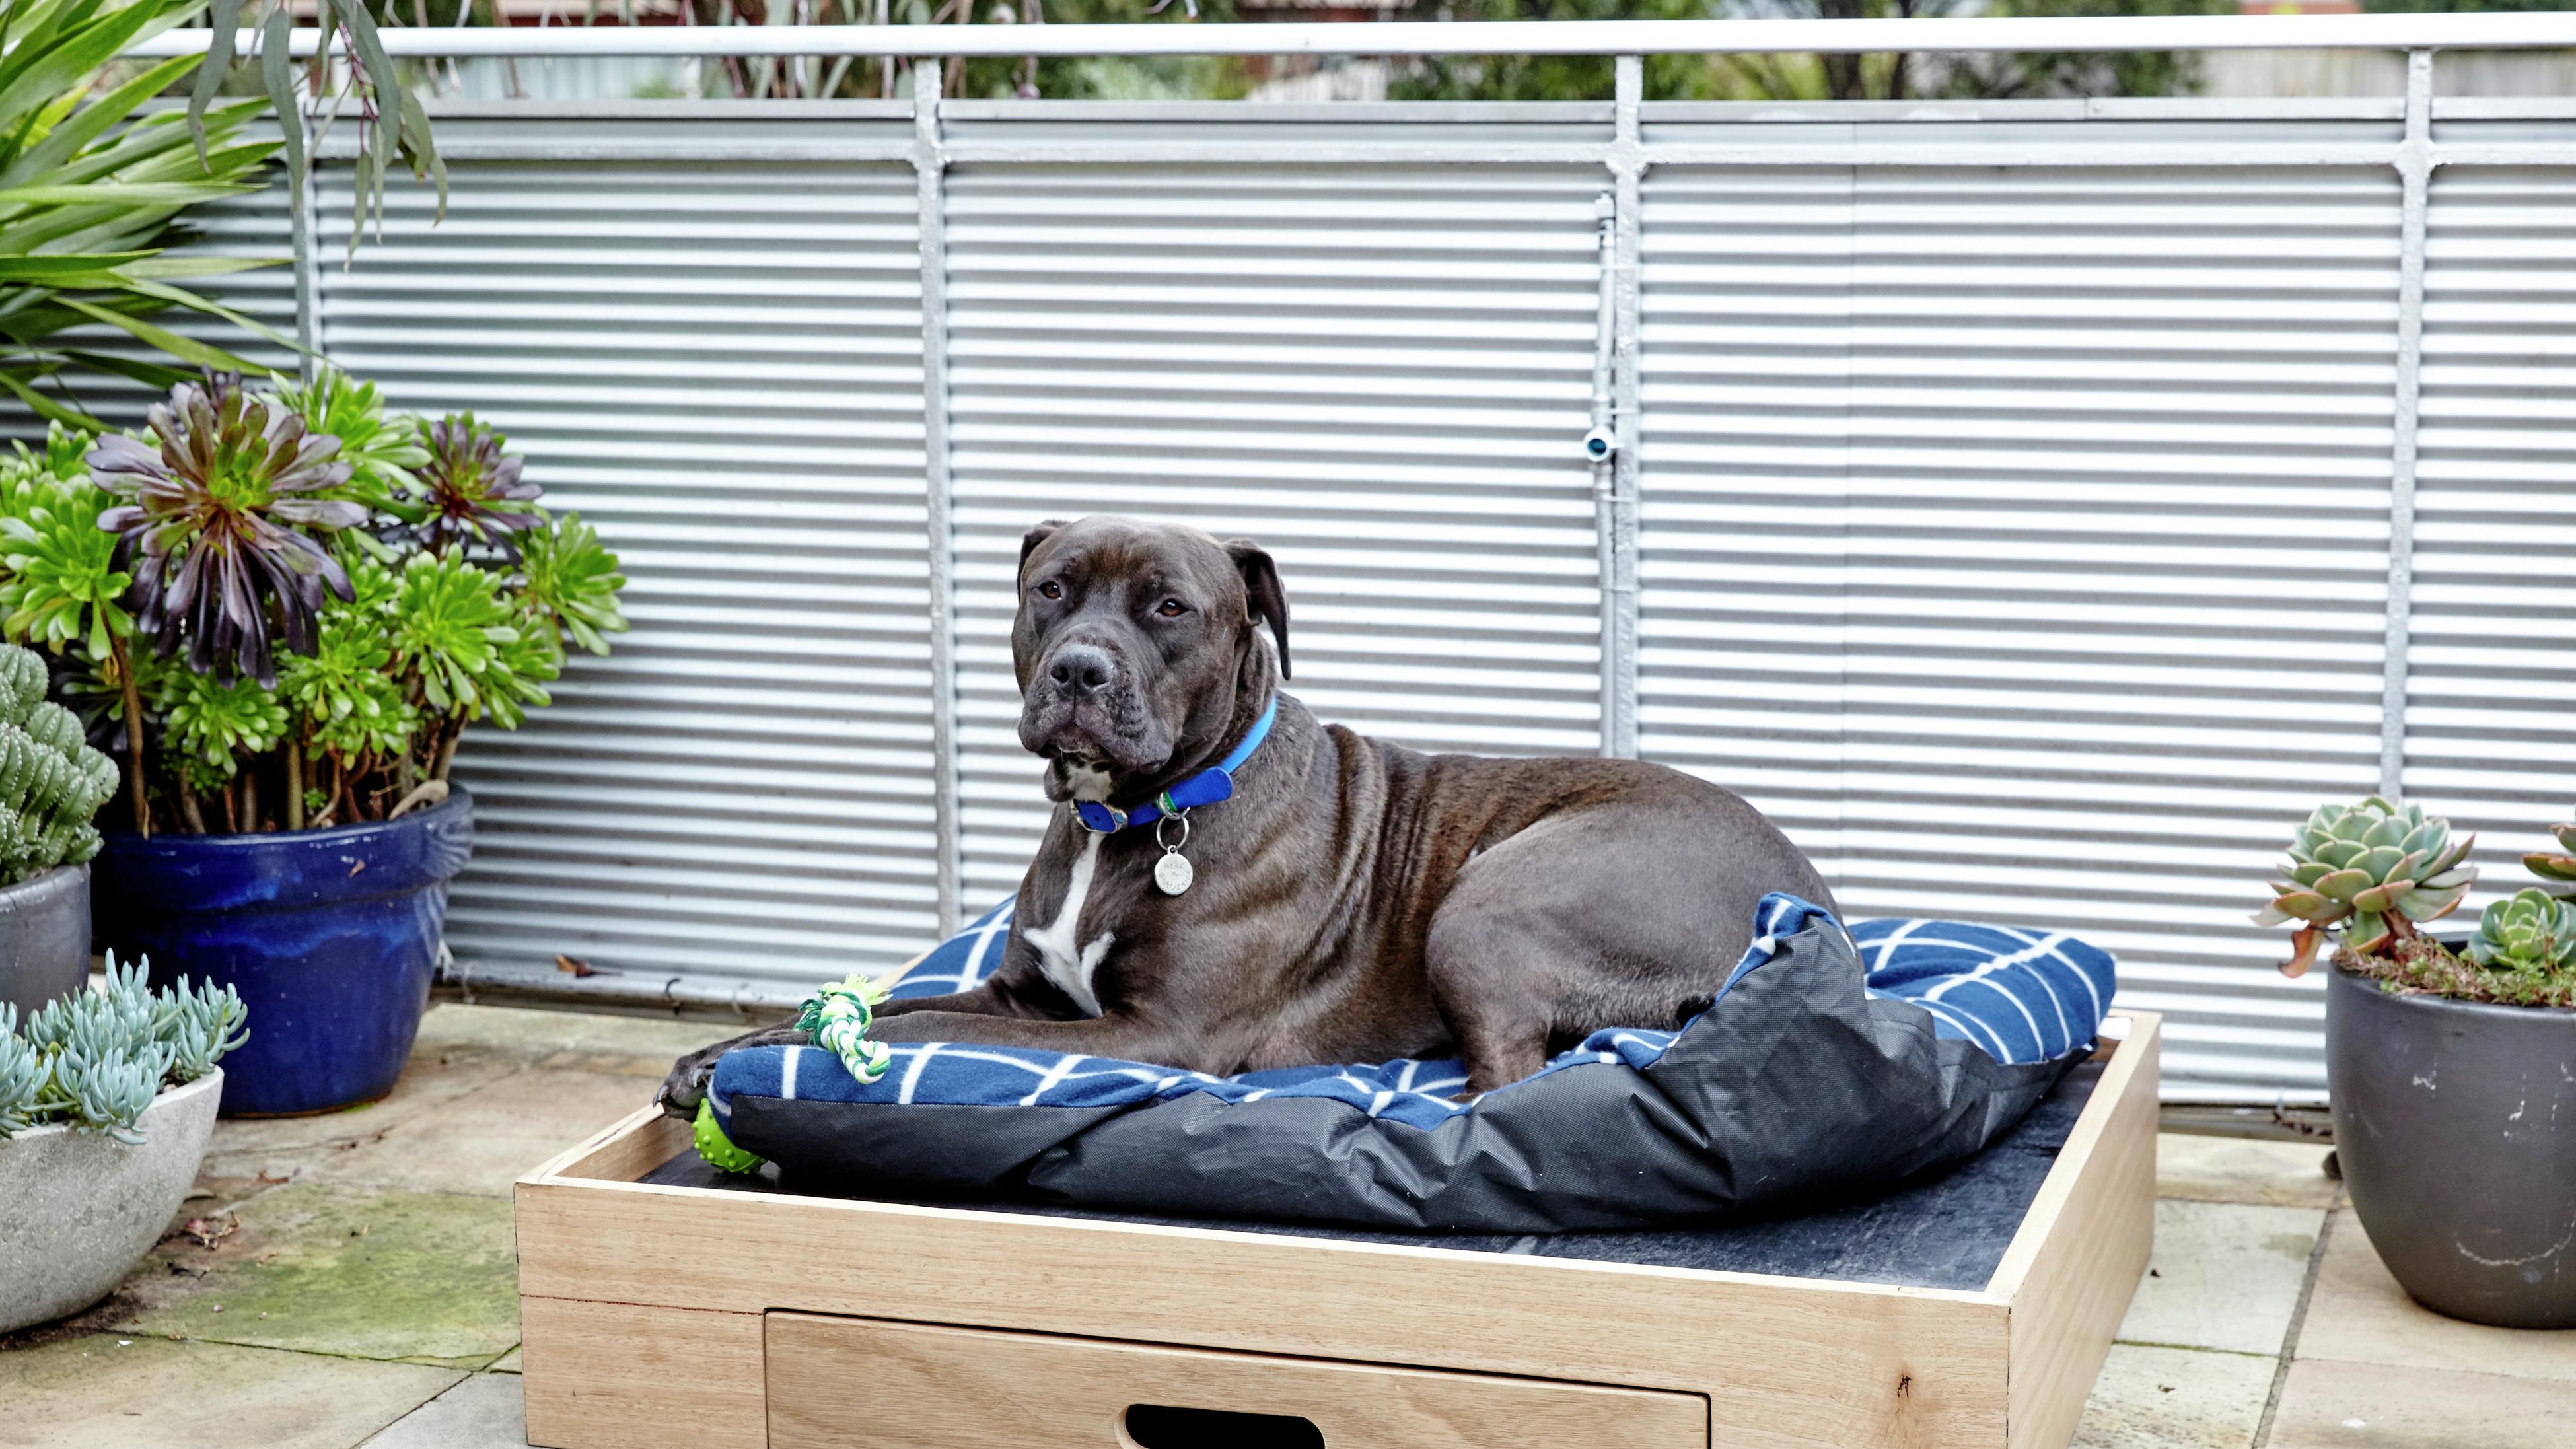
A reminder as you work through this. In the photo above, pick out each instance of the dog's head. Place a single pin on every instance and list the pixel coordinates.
(1134, 644)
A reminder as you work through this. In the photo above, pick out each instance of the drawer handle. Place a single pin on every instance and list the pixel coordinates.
(1161, 1426)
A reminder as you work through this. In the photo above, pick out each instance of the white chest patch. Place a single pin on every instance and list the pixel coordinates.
(1071, 969)
(1088, 782)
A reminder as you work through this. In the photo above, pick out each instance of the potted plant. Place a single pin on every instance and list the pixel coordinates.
(51, 783)
(2451, 1065)
(283, 608)
(106, 1102)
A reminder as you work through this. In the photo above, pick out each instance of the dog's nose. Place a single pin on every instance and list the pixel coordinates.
(1080, 669)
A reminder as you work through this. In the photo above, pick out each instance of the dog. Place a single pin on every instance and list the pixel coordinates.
(1338, 898)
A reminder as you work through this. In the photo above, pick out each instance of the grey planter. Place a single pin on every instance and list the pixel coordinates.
(2455, 1125)
(44, 938)
(78, 1208)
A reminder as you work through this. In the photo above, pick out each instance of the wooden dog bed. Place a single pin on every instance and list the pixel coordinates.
(662, 1306)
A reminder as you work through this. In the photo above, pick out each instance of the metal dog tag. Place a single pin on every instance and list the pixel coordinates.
(1173, 873)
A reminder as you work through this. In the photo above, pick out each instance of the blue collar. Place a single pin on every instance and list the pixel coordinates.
(1204, 788)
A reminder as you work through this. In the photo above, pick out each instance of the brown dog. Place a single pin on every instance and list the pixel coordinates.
(1352, 900)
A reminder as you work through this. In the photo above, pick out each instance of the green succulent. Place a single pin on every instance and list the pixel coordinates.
(2530, 930)
(450, 624)
(346, 691)
(96, 1059)
(209, 724)
(2559, 864)
(51, 782)
(381, 448)
(516, 680)
(62, 583)
(2374, 870)
(573, 577)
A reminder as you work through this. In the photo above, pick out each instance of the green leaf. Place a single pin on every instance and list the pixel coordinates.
(186, 298)
(225, 18)
(277, 76)
(152, 374)
(2344, 885)
(164, 267)
(46, 408)
(94, 120)
(122, 193)
(187, 349)
(64, 270)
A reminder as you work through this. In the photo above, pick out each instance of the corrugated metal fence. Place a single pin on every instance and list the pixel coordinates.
(2011, 500)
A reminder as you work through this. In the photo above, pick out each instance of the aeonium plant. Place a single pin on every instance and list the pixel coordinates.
(283, 606)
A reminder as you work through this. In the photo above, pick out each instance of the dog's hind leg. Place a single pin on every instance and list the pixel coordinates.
(1582, 921)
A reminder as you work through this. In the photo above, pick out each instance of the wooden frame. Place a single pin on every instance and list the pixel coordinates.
(647, 1310)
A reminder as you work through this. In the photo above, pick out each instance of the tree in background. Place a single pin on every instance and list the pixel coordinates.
(1808, 77)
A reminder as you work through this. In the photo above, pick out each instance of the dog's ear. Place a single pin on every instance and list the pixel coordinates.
(1030, 540)
(1261, 591)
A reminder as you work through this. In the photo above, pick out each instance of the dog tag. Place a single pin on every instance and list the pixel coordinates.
(1173, 873)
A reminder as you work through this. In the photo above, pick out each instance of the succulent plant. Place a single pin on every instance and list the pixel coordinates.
(2375, 870)
(380, 447)
(51, 782)
(573, 577)
(2530, 930)
(222, 522)
(471, 489)
(96, 1059)
(2559, 864)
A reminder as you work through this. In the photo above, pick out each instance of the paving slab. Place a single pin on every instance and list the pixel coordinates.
(2175, 1398)
(2242, 1169)
(329, 1268)
(483, 1141)
(2358, 1314)
(138, 1392)
(508, 1363)
(487, 1411)
(2333, 1405)
(530, 1035)
(287, 1147)
(2223, 1276)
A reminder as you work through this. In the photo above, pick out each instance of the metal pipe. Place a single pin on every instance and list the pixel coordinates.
(930, 172)
(2506, 30)
(2415, 174)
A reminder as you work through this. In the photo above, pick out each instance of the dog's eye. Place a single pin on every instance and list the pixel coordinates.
(1050, 590)
(1172, 609)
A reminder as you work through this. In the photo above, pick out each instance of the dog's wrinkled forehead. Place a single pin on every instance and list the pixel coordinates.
(1099, 556)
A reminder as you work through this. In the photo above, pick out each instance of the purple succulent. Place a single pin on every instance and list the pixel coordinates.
(222, 521)
(472, 489)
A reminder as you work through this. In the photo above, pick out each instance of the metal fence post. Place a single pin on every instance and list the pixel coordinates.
(930, 170)
(2415, 173)
(1619, 581)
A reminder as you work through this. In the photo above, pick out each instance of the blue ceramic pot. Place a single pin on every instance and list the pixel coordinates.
(330, 936)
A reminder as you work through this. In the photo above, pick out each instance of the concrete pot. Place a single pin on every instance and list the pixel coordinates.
(78, 1208)
(2455, 1125)
(44, 938)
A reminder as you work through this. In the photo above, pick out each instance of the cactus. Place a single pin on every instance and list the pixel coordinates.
(2530, 931)
(2375, 870)
(2559, 864)
(51, 781)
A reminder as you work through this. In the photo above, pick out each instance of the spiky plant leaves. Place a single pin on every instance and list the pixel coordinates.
(51, 782)
(222, 527)
(96, 1059)
(2371, 871)
(573, 579)
(471, 490)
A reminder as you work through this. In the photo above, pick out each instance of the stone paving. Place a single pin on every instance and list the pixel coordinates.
(350, 1282)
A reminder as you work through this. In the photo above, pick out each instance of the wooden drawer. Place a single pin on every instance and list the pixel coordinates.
(844, 1382)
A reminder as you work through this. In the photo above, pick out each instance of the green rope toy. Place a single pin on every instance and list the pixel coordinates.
(837, 1019)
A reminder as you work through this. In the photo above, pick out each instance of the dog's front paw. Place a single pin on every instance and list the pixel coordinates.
(686, 1086)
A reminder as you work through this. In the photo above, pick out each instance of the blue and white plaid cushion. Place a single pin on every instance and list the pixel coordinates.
(2020, 996)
